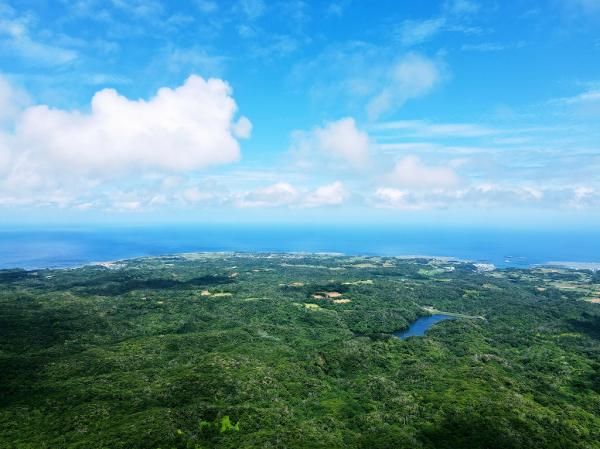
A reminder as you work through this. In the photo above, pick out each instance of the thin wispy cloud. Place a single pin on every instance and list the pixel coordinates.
(411, 77)
(17, 42)
(427, 129)
(587, 97)
(413, 32)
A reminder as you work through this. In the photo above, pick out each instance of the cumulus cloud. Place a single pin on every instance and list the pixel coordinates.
(178, 130)
(278, 194)
(487, 196)
(340, 140)
(71, 157)
(394, 198)
(344, 139)
(327, 195)
(410, 172)
(242, 129)
(192, 195)
(196, 194)
(284, 194)
(413, 76)
(4, 156)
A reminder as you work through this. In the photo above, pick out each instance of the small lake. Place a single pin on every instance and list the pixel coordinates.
(419, 327)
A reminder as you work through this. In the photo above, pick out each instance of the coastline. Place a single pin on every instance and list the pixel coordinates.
(40, 249)
(591, 266)
(35, 249)
(115, 263)
(482, 266)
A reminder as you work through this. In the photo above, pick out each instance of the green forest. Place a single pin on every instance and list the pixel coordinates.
(297, 351)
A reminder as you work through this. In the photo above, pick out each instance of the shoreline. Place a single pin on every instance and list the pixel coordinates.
(111, 264)
(591, 266)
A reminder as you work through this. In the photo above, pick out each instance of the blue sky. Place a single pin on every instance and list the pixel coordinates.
(458, 111)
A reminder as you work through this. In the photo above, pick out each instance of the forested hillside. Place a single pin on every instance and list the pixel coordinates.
(296, 351)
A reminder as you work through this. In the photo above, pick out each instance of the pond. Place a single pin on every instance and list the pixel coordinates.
(420, 326)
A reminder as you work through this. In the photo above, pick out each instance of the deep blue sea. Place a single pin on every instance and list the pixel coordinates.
(30, 247)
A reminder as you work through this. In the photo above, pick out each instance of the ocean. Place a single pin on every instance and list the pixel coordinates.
(31, 247)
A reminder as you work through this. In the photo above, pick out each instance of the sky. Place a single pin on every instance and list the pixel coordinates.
(332, 111)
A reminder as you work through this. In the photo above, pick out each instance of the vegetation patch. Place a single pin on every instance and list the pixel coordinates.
(363, 282)
(311, 306)
(146, 356)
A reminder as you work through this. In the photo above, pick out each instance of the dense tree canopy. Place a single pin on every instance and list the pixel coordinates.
(291, 351)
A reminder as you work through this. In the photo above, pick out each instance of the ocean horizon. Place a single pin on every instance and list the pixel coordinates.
(35, 248)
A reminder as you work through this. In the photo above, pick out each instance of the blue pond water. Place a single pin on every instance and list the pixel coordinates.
(419, 327)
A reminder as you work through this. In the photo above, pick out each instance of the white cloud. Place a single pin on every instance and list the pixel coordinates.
(358, 74)
(253, 9)
(484, 47)
(411, 173)
(465, 6)
(337, 8)
(488, 196)
(413, 32)
(242, 129)
(12, 102)
(327, 195)
(158, 200)
(207, 6)
(584, 197)
(140, 8)
(195, 195)
(337, 141)
(104, 79)
(284, 194)
(342, 138)
(394, 198)
(423, 128)
(188, 60)
(69, 158)
(16, 41)
(128, 205)
(413, 76)
(171, 182)
(279, 194)
(586, 103)
(454, 17)
(5, 156)
(178, 130)
(590, 96)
